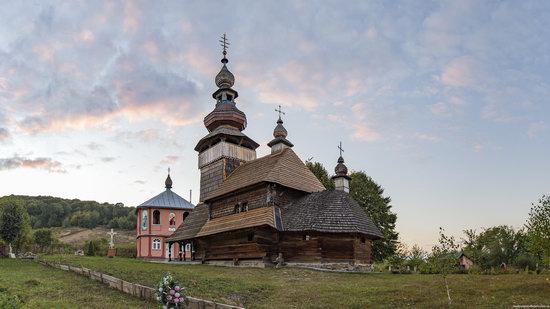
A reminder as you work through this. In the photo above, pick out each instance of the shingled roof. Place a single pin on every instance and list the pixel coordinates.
(192, 224)
(331, 211)
(284, 168)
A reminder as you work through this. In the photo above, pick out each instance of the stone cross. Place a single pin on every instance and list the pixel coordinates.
(112, 234)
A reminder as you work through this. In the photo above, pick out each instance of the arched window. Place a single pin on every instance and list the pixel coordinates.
(185, 215)
(156, 217)
(156, 244)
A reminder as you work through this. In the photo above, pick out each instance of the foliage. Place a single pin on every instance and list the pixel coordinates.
(90, 248)
(12, 221)
(398, 259)
(170, 293)
(371, 197)
(444, 256)
(416, 257)
(538, 228)
(43, 238)
(494, 246)
(126, 250)
(8, 301)
(321, 173)
(47, 211)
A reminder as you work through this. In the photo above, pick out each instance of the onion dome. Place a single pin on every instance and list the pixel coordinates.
(225, 79)
(341, 169)
(168, 182)
(280, 131)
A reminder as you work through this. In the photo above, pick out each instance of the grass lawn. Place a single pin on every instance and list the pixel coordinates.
(299, 288)
(39, 287)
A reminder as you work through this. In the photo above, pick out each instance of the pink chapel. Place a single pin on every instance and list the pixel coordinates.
(157, 219)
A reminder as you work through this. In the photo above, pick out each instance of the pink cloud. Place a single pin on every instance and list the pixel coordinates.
(47, 164)
(461, 72)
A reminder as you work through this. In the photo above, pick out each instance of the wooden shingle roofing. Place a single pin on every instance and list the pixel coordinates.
(198, 225)
(330, 211)
(284, 168)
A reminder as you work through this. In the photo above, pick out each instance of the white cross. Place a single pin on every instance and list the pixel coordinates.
(112, 234)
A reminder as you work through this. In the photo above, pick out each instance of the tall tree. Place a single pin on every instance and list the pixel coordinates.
(494, 246)
(321, 173)
(538, 228)
(370, 196)
(11, 221)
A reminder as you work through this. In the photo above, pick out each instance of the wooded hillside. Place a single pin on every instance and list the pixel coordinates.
(48, 211)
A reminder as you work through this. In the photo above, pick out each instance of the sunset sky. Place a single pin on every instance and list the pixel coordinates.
(445, 104)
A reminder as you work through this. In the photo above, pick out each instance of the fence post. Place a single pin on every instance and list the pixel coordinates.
(101, 277)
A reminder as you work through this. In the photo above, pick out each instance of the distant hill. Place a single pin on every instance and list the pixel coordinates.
(77, 236)
(48, 211)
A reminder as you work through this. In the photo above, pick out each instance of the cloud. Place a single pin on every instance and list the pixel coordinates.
(4, 135)
(95, 146)
(16, 161)
(535, 129)
(140, 182)
(108, 159)
(427, 137)
(170, 160)
(460, 72)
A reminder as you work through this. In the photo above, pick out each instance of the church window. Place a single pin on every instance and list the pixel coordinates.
(237, 209)
(244, 206)
(363, 239)
(250, 236)
(156, 217)
(156, 244)
(185, 215)
(229, 97)
(306, 237)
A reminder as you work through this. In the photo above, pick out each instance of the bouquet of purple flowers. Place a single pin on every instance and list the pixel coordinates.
(170, 293)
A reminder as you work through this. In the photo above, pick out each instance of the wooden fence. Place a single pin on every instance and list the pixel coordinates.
(134, 289)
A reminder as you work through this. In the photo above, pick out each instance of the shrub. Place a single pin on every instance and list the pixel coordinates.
(126, 250)
(8, 301)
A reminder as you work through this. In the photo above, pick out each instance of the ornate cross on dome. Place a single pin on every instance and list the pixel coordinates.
(224, 44)
(341, 149)
(280, 111)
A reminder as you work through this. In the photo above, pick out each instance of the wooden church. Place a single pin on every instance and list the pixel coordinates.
(262, 210)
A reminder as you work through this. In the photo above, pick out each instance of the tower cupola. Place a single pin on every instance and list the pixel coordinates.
(341, 178)
(279, 133)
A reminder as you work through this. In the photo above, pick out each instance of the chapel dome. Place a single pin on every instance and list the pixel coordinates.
(341, 169)
(225, 79)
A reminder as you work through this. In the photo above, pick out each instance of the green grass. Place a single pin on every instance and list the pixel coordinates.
(36, 286)
(299, 288)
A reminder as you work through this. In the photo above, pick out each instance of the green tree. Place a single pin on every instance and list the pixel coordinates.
(43, 238)
(494, 246)
(444, 257)
(370, 196)
(538, 229)
(90, 251)
(416, 257)
(11, 221)
(321, 173)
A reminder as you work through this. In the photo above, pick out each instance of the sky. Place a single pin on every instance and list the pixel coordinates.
(445, 104)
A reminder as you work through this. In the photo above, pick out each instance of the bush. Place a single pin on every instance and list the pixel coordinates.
(526, 261)
(126, 250)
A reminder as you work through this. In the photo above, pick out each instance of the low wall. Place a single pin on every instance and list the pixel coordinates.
(135, 289)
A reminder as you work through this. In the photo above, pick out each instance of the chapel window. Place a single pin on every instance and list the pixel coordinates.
(237, 209)
(250, 236)
(244, 206)
(156, 217)
(363, 239)
(306, 237)
(156, 244)
(185, 215)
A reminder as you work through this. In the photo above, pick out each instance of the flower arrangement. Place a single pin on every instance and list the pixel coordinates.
(170, 293)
